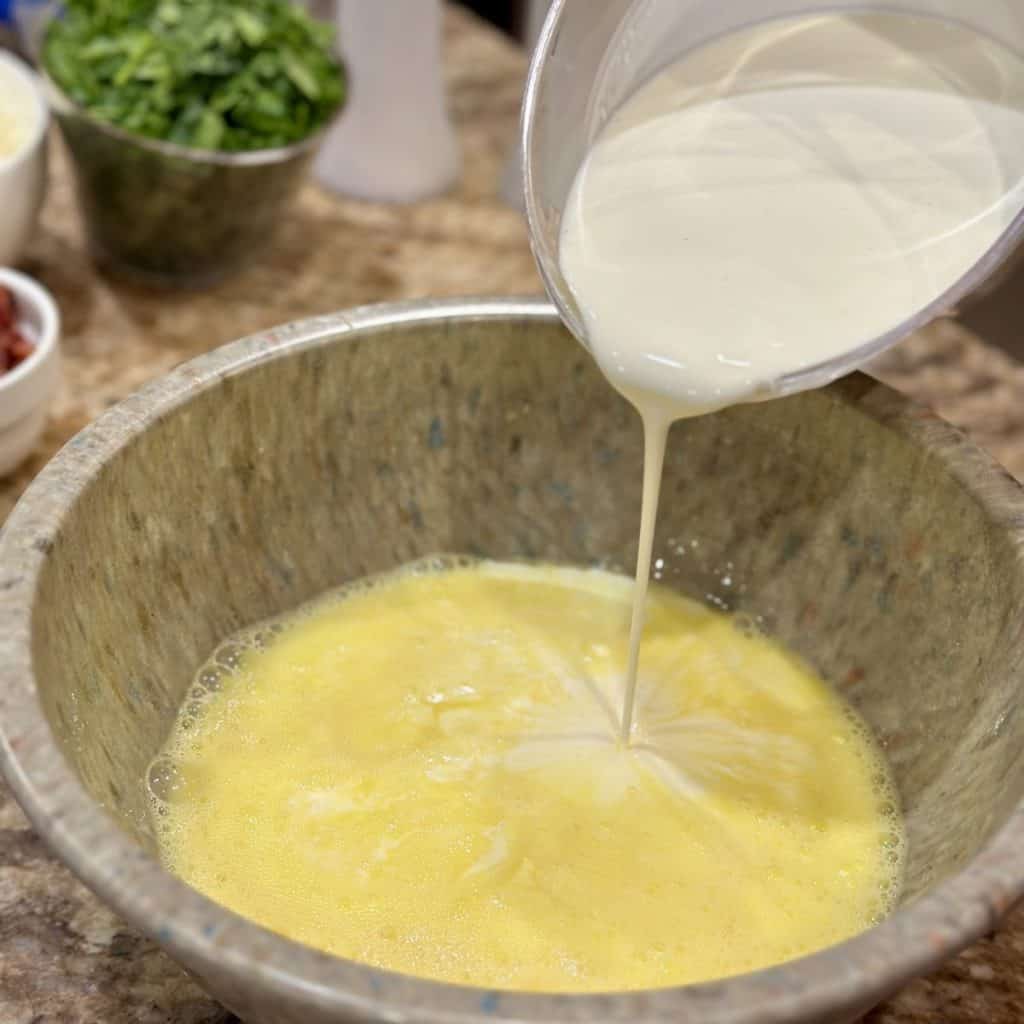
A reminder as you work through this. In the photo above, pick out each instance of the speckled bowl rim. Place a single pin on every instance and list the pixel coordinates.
(245, 957)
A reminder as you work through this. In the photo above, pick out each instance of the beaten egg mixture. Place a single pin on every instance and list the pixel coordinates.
(423, 773)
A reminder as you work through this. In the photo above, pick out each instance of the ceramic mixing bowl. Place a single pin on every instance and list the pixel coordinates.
(866, 534)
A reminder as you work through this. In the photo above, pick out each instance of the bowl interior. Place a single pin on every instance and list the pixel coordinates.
(824, 514)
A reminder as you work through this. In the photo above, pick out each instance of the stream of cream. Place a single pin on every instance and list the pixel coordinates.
(779, 198)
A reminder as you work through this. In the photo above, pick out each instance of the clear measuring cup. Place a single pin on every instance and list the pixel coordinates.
(593, 54)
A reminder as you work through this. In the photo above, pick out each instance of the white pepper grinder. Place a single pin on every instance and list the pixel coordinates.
(394, 141)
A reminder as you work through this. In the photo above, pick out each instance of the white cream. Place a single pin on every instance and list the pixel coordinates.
(780, 198)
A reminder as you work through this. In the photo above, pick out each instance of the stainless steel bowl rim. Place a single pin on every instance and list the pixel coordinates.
(864, 969)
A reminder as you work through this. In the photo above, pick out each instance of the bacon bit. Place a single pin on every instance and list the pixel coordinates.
(15, 348)
(6, 309)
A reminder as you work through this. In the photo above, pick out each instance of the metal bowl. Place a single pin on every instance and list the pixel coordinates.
(869, 536)
(173, 215)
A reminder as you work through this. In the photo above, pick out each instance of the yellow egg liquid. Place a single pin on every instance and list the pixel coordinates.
(423, 773)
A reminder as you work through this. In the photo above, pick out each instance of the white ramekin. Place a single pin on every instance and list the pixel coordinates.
(23, 172)
(27, 391)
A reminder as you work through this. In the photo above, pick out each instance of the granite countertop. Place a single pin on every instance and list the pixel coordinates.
(64, 959)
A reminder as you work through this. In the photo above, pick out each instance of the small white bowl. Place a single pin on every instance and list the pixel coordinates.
(23, 172)
(27, 391)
